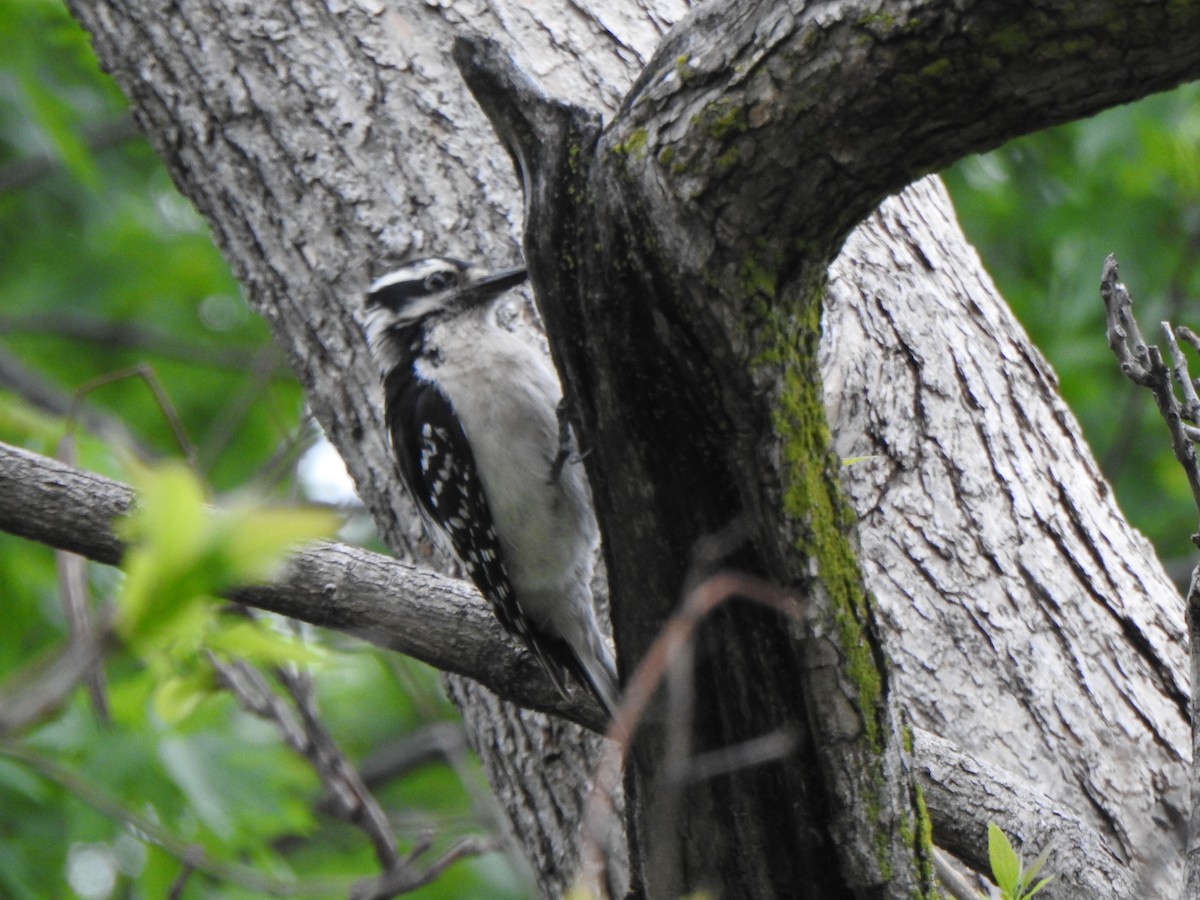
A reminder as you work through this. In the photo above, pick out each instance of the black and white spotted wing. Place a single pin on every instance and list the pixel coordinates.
(438, 465)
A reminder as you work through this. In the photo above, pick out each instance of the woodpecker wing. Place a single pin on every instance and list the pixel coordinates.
(438, 466)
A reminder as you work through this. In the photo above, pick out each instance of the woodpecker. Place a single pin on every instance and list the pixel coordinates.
(472, 411)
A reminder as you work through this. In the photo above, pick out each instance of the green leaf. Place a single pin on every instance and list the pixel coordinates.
(1030, 872)
(169, 518)
(185, 552)
(1006, 866)
(177, 698)
(256, 540)
(1041, 884)
(256, 642)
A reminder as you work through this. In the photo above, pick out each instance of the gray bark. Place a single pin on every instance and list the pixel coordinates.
(322, 143)
(1031, 625)
(1082, 864)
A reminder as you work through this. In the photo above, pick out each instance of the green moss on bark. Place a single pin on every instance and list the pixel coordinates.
(822, 523)
(813, 499)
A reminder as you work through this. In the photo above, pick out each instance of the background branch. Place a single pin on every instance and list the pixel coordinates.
(399, 606)
(714, 117)
(963, 794)
(1143, 364)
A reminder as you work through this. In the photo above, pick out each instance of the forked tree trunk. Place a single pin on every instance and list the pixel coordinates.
(1021, 617)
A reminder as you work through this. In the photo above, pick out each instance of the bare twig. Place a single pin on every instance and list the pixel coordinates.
(430, 617)
(72, 569)
(166, 407)
(438, 620)
(306, 734)
(148, 829)
(73, 590)
(1143, 364)
(1124, 337)
(952, 881)
(435, 741)
(672, 641)
(38, 690)
(39, 391)
(765, 748)
(118, 335)
(258, 380)
(302, 728)
(1190, 405)
(402, 879)
(359, 806)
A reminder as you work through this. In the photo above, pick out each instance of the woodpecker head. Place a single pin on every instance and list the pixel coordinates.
(401, 305)
(436, 286)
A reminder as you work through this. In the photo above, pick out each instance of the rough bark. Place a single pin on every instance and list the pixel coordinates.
(1083, 865)
(848, 102)
(318, 139)
(1031, 625)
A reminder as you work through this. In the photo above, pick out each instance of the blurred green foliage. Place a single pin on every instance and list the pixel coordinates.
(1044, 211)
(104, 266)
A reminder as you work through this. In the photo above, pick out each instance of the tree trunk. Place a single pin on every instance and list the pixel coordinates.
(1027, 622)
(323, 143)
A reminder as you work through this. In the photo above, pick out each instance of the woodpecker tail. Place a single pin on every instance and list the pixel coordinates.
(590, 665)
(597, 671)
(569, 644)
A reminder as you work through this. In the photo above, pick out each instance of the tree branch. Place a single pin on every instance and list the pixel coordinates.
(1143, 364)
(672, 411)
(840, 104)
(308, 171)
(963, 794)
(391, 604)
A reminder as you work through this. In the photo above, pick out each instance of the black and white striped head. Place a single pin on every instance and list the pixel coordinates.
(435, 286)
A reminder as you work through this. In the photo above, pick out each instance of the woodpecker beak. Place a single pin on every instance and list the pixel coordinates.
(485, 287)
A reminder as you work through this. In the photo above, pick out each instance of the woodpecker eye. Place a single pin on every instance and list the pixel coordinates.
(439, 281)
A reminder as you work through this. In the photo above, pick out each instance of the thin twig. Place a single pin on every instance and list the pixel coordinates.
(40, 391)
(1190, 407)
(32, 694)
(1146, 368)
(361, 807)
(118, 335)
(1124, 337)
(1143, 364)
(147, 829)
(952, 881)
(405, 878)
(303, 731)
(667, 647)
(147, 374)
(765, 748)
(73, 591)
